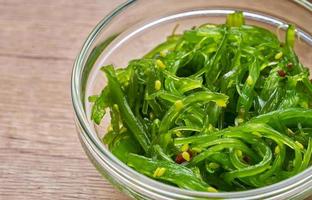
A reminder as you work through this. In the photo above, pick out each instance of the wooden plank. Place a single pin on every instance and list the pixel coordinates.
(41, 156)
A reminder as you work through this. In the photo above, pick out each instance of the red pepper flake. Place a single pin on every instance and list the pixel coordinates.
(246, 159)
(281, 73)
(289, 65)
(179, 158)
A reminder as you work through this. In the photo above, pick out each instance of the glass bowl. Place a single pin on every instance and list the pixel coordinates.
(133, 29)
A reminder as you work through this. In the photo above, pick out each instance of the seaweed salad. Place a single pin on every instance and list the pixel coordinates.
(218, 108)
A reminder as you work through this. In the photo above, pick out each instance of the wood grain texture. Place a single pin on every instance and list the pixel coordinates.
(40, 154)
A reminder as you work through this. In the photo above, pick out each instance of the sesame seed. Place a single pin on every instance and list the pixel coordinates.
(184, 147)
(160, 64)
(212, 189)
(161, 171)
(186, 156)
(156, 172)
(278, 55)
(157, 85)
(178, 105)
(220, 102)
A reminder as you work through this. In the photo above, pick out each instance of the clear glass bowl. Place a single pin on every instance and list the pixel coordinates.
(134, 28)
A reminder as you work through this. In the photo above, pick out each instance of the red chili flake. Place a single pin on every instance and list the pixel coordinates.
(281, 73)
(289, 65)
(246, 159)
(179, 159)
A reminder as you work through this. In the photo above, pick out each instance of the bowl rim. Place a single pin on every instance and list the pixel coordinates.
(129, 173)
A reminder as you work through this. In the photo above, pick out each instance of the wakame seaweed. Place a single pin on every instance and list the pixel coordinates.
(217, 108)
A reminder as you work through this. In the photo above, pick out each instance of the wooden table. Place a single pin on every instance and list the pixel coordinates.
(40, 155)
